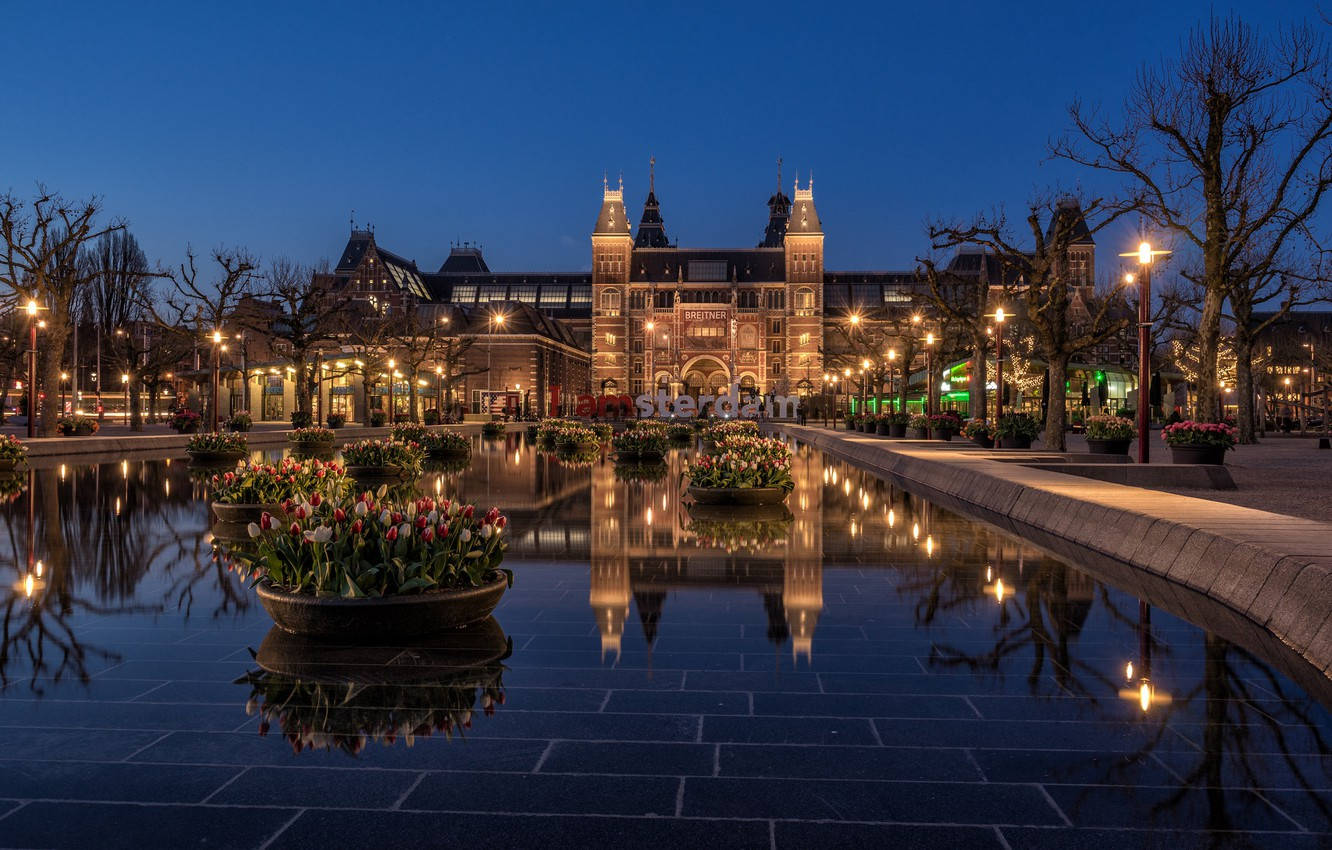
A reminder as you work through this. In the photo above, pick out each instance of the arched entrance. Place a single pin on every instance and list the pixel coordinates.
(705, 375)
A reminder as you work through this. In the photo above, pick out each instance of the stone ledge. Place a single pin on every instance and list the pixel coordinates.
(1200, 476)
(1271, 570)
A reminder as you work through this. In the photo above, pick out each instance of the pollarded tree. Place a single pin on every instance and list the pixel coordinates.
(1045, 285)
(40, 243)
(1230, 146)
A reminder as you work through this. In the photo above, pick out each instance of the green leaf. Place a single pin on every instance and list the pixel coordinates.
(352, 591)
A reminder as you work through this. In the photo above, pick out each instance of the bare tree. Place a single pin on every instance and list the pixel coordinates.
(41, 241)
(965, 300)
(1044, 284)
(1228, 146)
(417, 340)
(307, 304)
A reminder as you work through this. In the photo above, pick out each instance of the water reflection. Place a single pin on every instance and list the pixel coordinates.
(854, 579)
(329, 697)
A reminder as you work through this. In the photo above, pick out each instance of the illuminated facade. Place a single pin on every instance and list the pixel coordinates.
(693, 320)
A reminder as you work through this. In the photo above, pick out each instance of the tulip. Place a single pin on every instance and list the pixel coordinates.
(315, 499)
(466, 535)
(385, 518)
(356, 527)
(360, 508)
(468, 511)
(501, 522)
(339, 514)
(294, 530)
(391, 534)
(422, 521)
(427, 534)
(253, 529)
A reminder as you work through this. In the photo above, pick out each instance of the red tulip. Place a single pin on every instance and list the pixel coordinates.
(392, 534)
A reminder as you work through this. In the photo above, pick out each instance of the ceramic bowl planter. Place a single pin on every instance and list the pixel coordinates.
(1014, 442)
(215, 458)
(920, 433)
(373, 476)
(380, 618)
(1198, 454)
(242, 513)
(945, 434)
(897, 432)
(984, 442)
(883, 429)
(1108, 447)
(748, 496)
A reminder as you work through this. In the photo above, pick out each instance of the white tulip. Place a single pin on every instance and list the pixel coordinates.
(253, 528)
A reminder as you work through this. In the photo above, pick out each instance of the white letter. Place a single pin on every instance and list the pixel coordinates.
(684, 407)
(644, 405)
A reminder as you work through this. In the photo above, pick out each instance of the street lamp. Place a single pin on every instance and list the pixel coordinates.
(392, 375)
(1144, 255)
(124, 384)
(64, 376)
(217, 376)
(827, 380)
(649, 381)
(892, 355)
(439, 393)
(496, 320)
(929, 374)
(32, 369)
(998, 364)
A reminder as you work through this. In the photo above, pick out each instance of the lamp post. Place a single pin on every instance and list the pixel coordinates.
(1145, 255)
(998, 363)
(496, 320)
(827, 379)
(892, 399)
(392, 379)
(439, 393)
(64, 376)
(648, 380)
(217, 376)
(32, 369)
(929, 374)
(124, 384)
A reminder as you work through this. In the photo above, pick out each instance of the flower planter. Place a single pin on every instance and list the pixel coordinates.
(242, 513)
(942, 434)
(747, 496)
(1014, 442)
(568, 446)
(984, 442)
(306, 448)
(83, 431)
(1198, 454)
(382, 618)
(7, 466)
(897, 431)
(210, 458)
(920, 433)
(882, 429)
(708, 445)
(1108, 447)
(236, 534)
(449, 453)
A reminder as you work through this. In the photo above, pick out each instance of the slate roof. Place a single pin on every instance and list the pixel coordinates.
(464, 259)
(651, 229)
(779, 215)
(519, 318)
(707, 265)
(1068, 207)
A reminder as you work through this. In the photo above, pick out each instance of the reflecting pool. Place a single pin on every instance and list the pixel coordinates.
(858, 668)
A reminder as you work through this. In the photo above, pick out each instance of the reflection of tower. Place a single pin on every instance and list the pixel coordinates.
(610, 592)
(649, 604)
(802, 591)
(610, 600)
(802, 580)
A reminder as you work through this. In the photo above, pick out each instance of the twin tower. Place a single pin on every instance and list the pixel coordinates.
(694, 320)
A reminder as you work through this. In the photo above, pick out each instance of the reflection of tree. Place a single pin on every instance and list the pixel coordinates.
(1231, 714)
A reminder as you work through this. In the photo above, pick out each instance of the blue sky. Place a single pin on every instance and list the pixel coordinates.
(265, 125)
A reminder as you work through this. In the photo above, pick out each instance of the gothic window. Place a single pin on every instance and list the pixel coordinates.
(636, 299)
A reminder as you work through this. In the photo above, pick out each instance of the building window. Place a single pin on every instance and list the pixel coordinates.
(610, 302)
(804, 339)
(610, 339)
(748, 300)
(775, 367)
(776, 299)
(775, 326)
(804, 301)
(775, 346)
(637, 345)
(665, 300)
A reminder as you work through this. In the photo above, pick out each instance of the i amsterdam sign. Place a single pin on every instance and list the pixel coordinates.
(662, 405)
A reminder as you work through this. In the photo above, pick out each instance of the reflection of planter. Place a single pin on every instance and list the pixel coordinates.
(383, 618)
(449, 453)
(641, 471)
(920, 433)
(1015, 442)
(709, 446)
(442, 657)
(577, 446)
(243, 513)
(309, 449)
(377, 474)
(1198, 454)
(984, 442)
(1108, 447)
(211, 457)
(738, 495)
(945, 434)
(740, 513)
(897, 431)
(646, 456)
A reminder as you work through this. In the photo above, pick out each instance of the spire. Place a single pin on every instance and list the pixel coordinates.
(651, 229)
(612, 220)
(779, 215)
(804, 217)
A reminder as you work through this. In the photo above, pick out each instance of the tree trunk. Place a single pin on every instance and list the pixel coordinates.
(1056, 408)
(1244, 388)
(1209, 339)
(303, 385)
(51, 342)
(136, 417)
(977, 403)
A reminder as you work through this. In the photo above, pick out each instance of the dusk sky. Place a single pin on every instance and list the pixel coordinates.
(265, 125)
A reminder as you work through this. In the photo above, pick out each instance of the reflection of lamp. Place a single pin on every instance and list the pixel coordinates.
(1144, 692)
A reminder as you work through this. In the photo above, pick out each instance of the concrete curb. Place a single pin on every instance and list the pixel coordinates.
(1273, 569)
